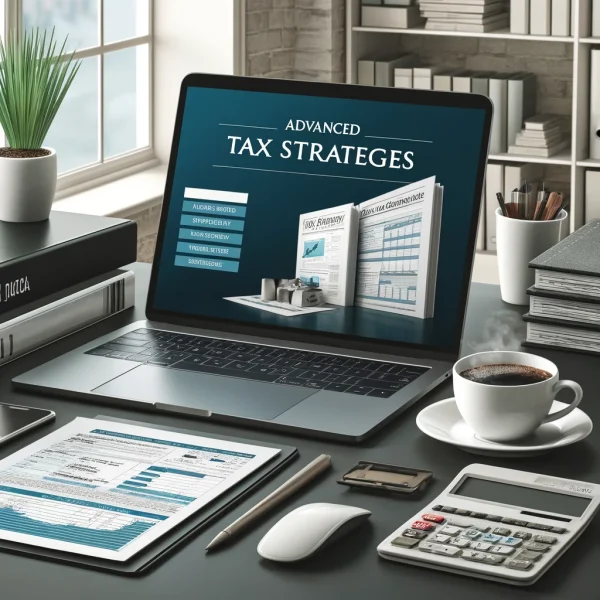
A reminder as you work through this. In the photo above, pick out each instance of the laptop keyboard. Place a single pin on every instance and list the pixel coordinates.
(314, 370)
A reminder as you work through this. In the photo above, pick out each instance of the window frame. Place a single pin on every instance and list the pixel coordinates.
(104, 170)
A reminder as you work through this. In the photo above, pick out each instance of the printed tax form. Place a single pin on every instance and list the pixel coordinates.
(108, 489)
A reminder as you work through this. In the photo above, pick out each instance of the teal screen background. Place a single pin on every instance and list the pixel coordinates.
(276, 199)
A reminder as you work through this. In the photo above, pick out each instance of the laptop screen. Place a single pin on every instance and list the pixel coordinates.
(326, 215)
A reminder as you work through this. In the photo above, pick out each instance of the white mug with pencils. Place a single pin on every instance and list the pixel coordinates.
(526, 226)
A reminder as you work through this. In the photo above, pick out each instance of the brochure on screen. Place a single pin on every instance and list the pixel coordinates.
(107, 490)
(381, 254)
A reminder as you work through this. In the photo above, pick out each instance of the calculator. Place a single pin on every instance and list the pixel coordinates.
(499, 524)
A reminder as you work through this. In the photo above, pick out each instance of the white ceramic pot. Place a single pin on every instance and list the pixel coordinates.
(27, 188)
(517, 243)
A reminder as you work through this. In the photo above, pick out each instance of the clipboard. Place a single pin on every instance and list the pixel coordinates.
(151, 556)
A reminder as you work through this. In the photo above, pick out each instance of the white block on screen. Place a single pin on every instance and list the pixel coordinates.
(215, 195)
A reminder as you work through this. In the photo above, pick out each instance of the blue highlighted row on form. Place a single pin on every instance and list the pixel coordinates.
(213, 222)
(208, 249)
(220, 237)
(214, 208)
(212, 264)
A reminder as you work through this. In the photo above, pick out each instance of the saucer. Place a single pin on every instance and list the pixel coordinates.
(442, 421)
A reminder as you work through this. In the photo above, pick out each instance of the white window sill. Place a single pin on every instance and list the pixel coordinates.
(121, 198)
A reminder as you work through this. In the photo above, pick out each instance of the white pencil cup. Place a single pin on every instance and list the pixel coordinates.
(517, 243)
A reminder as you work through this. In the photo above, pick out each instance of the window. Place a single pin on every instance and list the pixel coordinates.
(104, 124)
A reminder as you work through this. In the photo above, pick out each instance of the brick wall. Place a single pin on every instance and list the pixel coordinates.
(295, 39)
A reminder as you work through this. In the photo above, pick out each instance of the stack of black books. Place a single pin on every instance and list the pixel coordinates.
(564, 308)
(61, 275)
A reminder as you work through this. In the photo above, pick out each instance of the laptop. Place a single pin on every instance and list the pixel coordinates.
(313, 259)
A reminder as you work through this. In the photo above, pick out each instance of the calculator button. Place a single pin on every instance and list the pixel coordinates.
(473, 556)
(448, 509)
(503, 550)
(440, 538)
(545, 539)
(439, 549)
(472, 534)
(490, 537)
(459, 542)
(539, 526)
(494, 518)
(558, 530)
(528, 555)
(481, 528)
(510, 541)
(477, 515)
(522, 535)
(536, 546)
(483, 546)
(459, 523)
(414, 533)
(433, 518)
(437, 507)
(404, 542)
(519, 565)
(493, 559)
(463, 512)
(423, 525)
(501, 531)
(451, 531)
(510, 521)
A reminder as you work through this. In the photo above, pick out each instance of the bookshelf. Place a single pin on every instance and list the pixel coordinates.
(361, 41)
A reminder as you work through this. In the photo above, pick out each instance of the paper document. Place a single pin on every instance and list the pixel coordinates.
(326, 256)
(397, 249)
(108, 489)
(279, 308)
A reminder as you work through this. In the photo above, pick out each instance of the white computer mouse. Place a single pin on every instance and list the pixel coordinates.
(304, 530)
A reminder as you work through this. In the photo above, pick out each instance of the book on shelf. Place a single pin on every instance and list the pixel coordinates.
(474, 19)
(519, 17)
(499, 98)
(443, 81)
(394, 17)
(532, 134)
(540, 20)
(461, 82)
(480, 84)
(485, 8)
(561, 18)
(594, 126)
(423, 77)
(541, 122)
(522, 141)
(385, 69)
(595, 20)
(546, 152)
(39, 259)
(573, 265)
(43, 321)
(434, 25)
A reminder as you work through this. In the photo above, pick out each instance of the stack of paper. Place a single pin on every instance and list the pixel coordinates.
(541, 136)
(477, 16)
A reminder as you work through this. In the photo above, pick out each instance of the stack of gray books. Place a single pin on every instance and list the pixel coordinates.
(542, 136)
(391, 14)
(475, 16)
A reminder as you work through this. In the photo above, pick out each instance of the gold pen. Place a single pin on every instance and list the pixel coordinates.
(291, 486)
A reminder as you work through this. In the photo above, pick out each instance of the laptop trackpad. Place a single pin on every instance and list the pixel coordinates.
(190, 392)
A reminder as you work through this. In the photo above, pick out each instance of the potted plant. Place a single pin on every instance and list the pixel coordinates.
(34, 79)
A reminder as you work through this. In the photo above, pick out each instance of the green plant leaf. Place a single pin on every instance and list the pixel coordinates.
(35, 76)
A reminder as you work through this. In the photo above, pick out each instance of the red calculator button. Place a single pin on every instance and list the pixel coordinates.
(434, 518)
(422, 525)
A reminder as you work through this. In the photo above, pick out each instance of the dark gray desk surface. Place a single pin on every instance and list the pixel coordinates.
(351, 570)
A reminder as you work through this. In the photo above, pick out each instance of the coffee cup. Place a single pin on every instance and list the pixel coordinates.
(505, 396)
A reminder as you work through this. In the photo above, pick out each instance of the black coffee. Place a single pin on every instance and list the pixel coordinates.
(507, 374)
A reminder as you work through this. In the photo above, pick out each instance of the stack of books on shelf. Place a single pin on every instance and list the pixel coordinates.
(395, 14)
(473, 16)
(61, 275)
(564, 309)
(542, 136)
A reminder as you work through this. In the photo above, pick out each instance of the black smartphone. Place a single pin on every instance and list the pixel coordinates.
(15, 420)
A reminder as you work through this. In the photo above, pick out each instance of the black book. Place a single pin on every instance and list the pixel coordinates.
(573, 265)
(39, 259)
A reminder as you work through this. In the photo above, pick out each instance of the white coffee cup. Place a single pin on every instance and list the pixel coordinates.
(501, 413)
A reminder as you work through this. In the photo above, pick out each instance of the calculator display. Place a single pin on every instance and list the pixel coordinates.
(522, 497)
